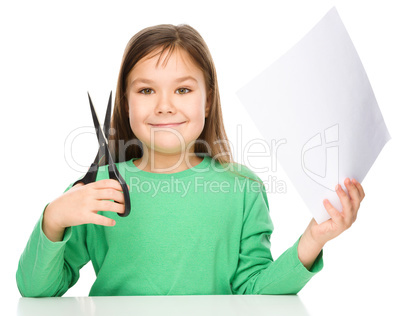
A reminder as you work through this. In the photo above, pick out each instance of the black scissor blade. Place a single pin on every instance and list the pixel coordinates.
(103, 143)
(113, 171)
(106, 124)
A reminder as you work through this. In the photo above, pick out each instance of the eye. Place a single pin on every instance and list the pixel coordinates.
(145, 89)
(181, 89)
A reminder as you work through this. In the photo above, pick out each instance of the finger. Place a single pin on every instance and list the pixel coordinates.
(345, 200)
(78, 184)
(102, 220)
(333, 212)
(110, 194)
(353, 193)
(110, 206)
(107, 183)
(360, 188)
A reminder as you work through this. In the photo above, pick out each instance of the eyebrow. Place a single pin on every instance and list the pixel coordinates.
(143, 80)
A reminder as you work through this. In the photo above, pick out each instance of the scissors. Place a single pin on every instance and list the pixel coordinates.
(103, 152)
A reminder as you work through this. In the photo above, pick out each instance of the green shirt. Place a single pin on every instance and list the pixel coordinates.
(201, 231)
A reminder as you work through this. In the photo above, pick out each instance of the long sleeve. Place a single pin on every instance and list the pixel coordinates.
(257, 272)
(49, 268)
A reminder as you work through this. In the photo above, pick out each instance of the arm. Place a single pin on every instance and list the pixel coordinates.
(48, 268)
(316, 236)
(56, 250)
(257, 272)
(308, 249)
(52, 232)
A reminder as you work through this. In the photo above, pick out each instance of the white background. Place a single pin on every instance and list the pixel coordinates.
(52, 54)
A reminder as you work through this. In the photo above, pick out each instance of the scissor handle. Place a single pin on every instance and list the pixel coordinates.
(90, 176)
(115, 174)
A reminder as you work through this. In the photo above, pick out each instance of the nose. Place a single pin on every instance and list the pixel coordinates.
(164, 104)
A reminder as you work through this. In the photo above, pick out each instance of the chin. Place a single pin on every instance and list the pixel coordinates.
(170, 149)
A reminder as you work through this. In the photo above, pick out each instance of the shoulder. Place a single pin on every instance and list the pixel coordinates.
(244, 180)
(246, 172)
(236, 169)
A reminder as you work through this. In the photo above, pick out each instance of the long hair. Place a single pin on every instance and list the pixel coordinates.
(213, 141)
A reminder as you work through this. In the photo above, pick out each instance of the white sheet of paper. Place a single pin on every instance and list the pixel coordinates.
(318, 98)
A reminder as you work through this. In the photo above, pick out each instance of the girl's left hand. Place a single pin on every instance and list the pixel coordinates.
(340, 221)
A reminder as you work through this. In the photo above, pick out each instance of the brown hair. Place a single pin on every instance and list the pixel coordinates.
(162, 37)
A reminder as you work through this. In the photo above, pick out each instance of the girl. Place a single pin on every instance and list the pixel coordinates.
(199, 222)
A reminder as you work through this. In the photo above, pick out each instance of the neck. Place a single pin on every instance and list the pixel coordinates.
(157, 162)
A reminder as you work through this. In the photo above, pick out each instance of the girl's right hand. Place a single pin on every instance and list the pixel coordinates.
(80, 205)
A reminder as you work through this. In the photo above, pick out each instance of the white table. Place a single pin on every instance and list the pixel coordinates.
(164, 305)
(328, 302)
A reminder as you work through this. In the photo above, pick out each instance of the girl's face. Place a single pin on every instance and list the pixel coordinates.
(174, 94)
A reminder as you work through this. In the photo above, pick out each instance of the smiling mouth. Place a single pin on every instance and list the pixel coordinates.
(167, 125)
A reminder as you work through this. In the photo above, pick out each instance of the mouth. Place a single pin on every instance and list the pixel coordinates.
(167, 125)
